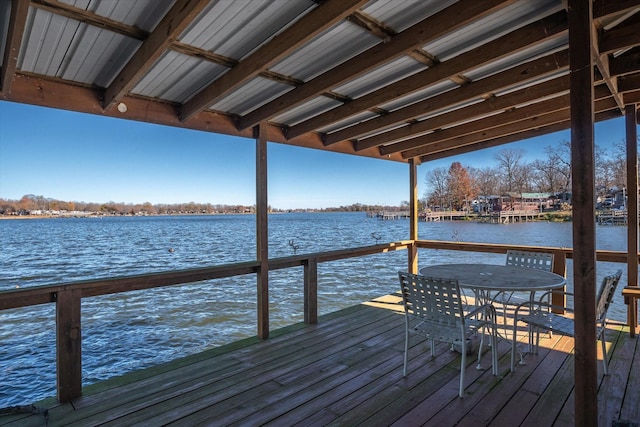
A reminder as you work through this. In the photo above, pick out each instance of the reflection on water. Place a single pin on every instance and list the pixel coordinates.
(125, 332)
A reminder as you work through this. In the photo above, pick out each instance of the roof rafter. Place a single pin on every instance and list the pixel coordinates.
(554, 89)
(17, 22)
(169, 28)
(440, 23)
(510, 77)
(514, 137)
(510, 122)
(526, 95)
(318, 20)
(522, 38)
(89, 18)
(601, 61)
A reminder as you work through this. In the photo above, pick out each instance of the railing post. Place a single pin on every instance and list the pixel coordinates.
(68, 345)
(311, 291)
(558, 299)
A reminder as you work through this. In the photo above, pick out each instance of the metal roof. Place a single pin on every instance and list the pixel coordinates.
(391, 79)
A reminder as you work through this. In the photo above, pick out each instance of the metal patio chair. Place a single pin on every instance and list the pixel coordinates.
(538, 315)
(433, 309)
(526, 259)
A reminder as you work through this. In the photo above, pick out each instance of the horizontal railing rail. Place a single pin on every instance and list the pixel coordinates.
(67, 296)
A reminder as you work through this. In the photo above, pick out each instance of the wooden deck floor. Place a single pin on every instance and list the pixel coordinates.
(347, 371)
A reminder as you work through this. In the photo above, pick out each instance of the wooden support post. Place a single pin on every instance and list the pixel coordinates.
(558, 299)
(413, 216)
(580, 14)
(68, 345)
(262, 231)
(311, 291)
(632, 214)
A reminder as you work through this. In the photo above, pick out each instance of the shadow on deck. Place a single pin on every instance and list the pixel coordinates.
(347, 370)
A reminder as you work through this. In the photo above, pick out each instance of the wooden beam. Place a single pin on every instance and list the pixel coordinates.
(516, 75)
(179, 17)
(606, 8)
(550, 88)
(449, 142)
(631, 126)
(623, 36)
(507, 139)
(632, 98)
(447, 20)
(602, 62)
(583, 190)
(55, 93)
(629, 82)
(520, 39)
(262, 232)
(89, 18)
(313, 23)
(628, 63)
(17, 22)
(514, 115)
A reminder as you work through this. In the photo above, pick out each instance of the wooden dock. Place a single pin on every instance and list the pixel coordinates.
(506, 217)
(612, 217)
(347, 371)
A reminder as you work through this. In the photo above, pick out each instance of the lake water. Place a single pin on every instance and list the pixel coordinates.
(126, 332)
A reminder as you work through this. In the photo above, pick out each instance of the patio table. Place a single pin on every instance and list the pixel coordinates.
(489, 280)
(486, 278)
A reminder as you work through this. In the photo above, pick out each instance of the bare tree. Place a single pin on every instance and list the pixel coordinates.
(436, 180)
(510, 168)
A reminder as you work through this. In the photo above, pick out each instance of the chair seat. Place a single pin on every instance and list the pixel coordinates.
(554, 322)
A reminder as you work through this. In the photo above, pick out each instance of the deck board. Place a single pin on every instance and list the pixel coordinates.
(347, 370)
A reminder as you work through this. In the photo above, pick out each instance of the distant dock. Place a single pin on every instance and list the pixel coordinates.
(389, 215)
(613, 217)
(506, 217)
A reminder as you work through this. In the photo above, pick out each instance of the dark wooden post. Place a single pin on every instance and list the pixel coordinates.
(311, 291)
(68, 345)
(413, 215)
(632, 213)
(262, 232)
(558, 299)
(580, 15)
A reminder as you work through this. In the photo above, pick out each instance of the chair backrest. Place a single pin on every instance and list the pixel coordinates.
(537, 260)
(432, 300)
(605, 294)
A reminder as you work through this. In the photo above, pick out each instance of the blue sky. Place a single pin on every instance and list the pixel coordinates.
(86, 158)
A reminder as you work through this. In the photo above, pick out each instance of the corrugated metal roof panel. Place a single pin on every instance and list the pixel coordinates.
(47, 39)
(491, 27)
(307, 110)
(69, 49)
(400, 15)
(428, 92)
(331, 48)
(235, 28)
(349, 121)
(251, 95)
(382, 76)
(176, 77)
(526, 55)
(143, 14)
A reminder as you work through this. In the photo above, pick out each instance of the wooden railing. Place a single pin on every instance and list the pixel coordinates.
(67, 297)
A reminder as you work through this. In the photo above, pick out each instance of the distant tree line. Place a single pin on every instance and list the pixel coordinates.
(31, 204)
(455, 187)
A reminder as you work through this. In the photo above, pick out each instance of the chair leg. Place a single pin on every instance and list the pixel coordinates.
(463, 364)
(406, 352)
(604, 354)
